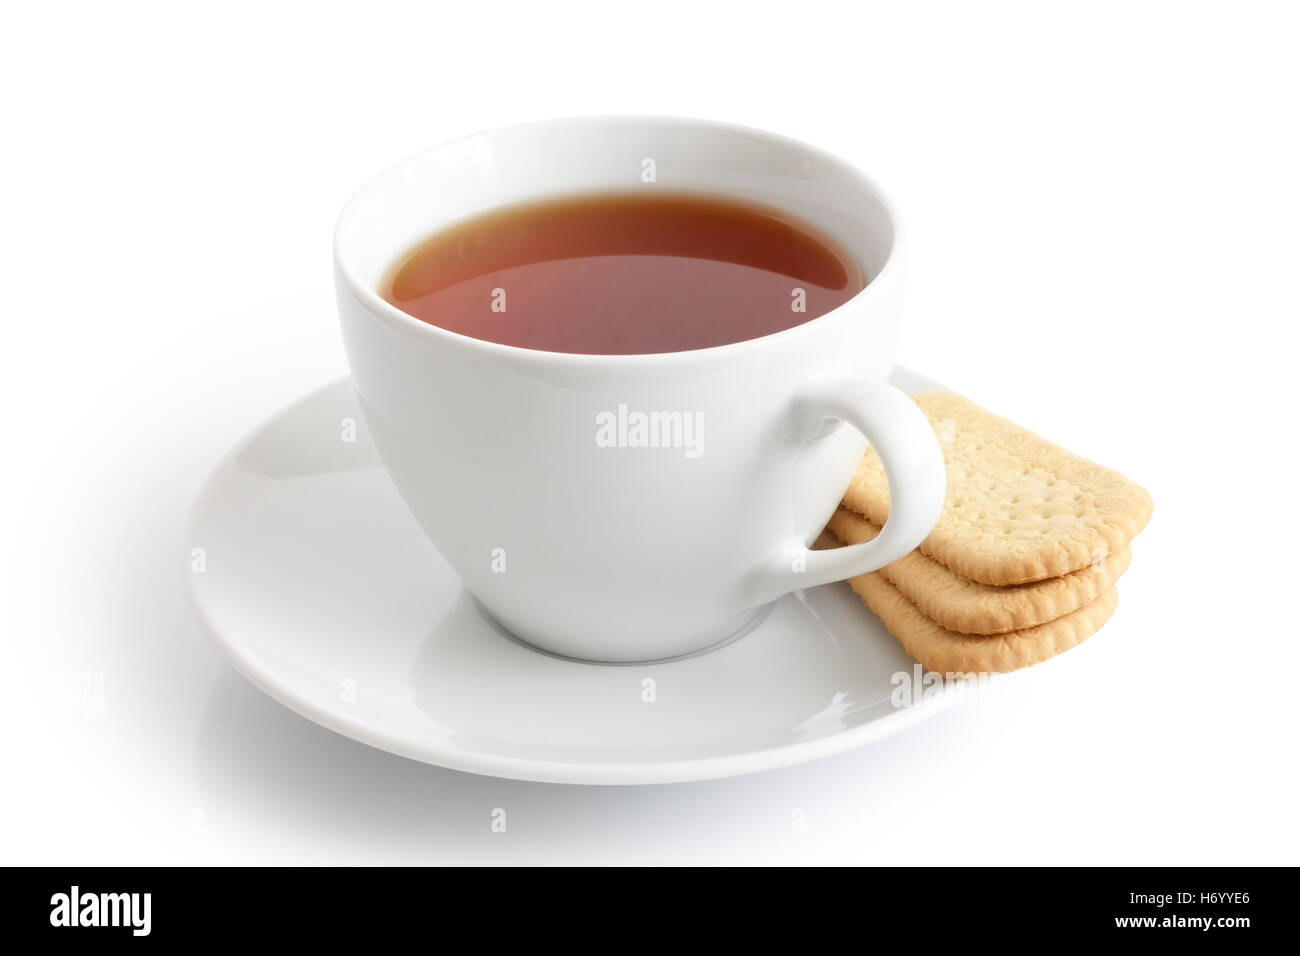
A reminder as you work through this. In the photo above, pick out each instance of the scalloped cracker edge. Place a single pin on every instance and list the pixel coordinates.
(969, 607)
(948, 652)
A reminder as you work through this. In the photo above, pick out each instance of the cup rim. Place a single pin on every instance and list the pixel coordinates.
(408, 324)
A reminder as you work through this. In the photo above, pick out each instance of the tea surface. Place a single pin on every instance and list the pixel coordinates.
(624, 274)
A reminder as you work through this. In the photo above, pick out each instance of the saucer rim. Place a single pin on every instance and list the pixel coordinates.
(539, 770)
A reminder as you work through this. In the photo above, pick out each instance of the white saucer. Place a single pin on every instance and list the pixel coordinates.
(315, 580)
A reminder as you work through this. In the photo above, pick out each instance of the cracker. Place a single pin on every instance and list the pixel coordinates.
(826, 540)
(969, 607)
(949, 652)
(1018, 508)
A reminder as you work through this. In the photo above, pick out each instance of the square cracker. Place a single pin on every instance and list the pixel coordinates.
(949, 652)
(1018, 508)
(965, 606)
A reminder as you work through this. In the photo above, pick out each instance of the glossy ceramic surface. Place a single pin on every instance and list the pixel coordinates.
(620, 552)
(317, 584)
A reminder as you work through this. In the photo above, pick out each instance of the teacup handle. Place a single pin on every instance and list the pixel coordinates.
(906, 444)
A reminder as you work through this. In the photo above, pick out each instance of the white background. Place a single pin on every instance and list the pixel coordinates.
(1104, 209)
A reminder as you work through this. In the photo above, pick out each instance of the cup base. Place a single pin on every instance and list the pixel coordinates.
(750, 623)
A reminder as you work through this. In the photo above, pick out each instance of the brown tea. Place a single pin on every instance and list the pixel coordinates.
(624, 274)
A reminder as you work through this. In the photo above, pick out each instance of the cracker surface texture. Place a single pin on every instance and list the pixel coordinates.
(1018, 508)
(938, 649)
(969, 607)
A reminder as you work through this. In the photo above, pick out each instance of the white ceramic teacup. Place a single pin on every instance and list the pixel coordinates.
(582, 545)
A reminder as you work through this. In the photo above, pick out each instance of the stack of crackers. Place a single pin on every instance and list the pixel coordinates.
(1023, 561)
